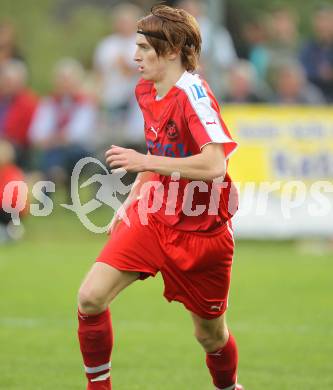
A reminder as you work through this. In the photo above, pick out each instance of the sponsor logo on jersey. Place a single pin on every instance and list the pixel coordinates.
(168, 150)
(154, 131)
(171, 130)
(198, 91)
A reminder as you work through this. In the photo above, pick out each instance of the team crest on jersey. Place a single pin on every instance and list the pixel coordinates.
(171, 130)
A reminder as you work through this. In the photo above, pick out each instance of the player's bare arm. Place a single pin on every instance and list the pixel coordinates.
(206, 166)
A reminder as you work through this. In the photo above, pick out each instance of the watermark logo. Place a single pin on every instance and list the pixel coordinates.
(191, 198)
(111, 186)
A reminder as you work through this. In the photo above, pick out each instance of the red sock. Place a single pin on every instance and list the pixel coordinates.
(222, 365)
(95, 336)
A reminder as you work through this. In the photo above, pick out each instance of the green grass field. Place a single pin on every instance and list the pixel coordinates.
(280, 312)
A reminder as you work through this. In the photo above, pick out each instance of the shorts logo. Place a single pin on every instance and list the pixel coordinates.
(216, 307)
(171, 130)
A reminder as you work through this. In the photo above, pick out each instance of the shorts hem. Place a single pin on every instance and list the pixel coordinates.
(202, 314)
(144, 273)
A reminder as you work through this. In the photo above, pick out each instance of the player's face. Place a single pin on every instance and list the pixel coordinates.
(149, 64)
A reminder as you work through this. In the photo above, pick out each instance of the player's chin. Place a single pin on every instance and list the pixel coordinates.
(146, 76)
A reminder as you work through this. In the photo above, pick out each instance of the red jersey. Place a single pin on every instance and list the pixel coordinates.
(19, 117)
(9, 173)
(179, 125)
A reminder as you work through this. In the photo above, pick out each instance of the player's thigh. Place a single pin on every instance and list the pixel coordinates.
(102, 284)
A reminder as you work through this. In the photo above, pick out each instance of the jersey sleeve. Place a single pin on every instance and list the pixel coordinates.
(204, 120)
(143, 88)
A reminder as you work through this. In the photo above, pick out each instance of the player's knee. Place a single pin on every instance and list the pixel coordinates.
(211, 339)
(206, 340)
(91, 301)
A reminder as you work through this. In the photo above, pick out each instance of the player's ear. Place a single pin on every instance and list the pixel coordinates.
(173, 55)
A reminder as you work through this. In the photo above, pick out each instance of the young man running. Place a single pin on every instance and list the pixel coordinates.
(188, 235)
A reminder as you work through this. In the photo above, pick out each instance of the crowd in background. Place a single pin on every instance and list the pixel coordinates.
(87, 110)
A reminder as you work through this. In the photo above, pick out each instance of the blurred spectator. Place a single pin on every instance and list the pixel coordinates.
(292, 87)
(317, 54)
(64, 123)
(278, 40)
(118, 75)
(217, 44)
(8, 172)
(242, 84)
(223, 47)
(8, 46)
(255, 36)
(17, 106)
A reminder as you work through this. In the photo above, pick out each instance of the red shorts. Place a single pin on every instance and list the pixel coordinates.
(195, 266)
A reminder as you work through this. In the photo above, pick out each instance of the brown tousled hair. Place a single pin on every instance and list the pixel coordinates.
(179, 32)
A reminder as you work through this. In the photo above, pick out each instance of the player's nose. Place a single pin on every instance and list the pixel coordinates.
(137, 57)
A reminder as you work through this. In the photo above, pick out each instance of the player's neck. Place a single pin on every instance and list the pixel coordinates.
(170, 78)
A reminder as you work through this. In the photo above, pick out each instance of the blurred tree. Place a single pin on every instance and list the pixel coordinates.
(43, 39)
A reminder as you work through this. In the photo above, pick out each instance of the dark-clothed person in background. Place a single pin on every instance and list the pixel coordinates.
(255, 38)
(282, 26)
(317, 54)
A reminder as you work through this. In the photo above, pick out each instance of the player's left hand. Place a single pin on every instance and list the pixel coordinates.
(128, 159)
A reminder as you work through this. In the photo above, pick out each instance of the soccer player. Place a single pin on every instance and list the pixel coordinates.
(188, 238)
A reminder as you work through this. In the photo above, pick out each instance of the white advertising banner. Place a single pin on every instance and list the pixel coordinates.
(284, 170)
